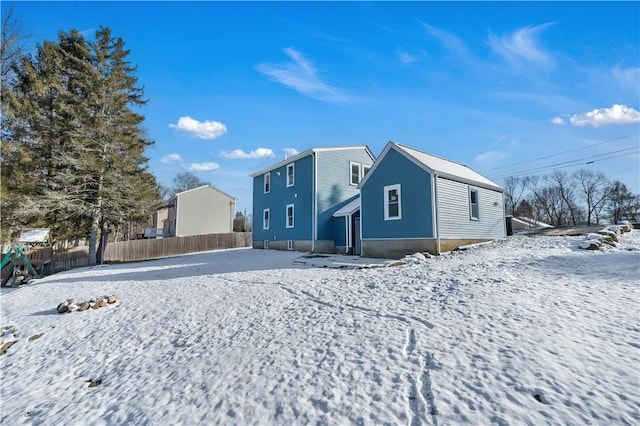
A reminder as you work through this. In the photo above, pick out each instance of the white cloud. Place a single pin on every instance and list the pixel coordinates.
(522, 45)
(300, 75)
(203, 167)
(558, 121)
(238, 154)
(450, 41)
(290, 152)
(617, 114)
(491, 157)
(200, 129)
(171, 159)
(407, 58)
(627, 77)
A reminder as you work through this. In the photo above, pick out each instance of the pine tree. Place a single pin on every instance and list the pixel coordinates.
(83, 137)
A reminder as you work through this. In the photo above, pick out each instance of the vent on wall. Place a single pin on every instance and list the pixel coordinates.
(289, 244)
(266, 244)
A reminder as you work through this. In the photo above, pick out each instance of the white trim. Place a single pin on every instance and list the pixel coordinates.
(387, 190)
(289, 244)
(347, 225)
(359, 178)
(268, 221)
(314, 219)
(435, 211)
(362, 172)
(267, 176)
(293, 216)
(265, 244)
(477, 204)
(394, 239)
(293, 175)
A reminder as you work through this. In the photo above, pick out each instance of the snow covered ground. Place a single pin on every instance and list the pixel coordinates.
(526, 330)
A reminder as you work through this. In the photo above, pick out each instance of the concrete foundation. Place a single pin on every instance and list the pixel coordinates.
(395, 249)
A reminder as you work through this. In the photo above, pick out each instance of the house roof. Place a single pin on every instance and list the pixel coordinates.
(309, 152)
(38, 235)
(440, 166)
(199, 188)
(348, 209)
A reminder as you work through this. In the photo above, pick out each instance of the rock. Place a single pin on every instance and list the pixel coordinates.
(111, 299)
(1, 340)
(625, 225)
(94, 383)
(83, 306)
(63, 308)
(608, 233)
(34, 337)
(396, 263)
(5, 346)
(590, 244)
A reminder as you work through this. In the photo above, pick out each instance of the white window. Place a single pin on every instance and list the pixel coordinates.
(474, 209)
(354, 173)
(289, 244)
(290, 174)
(365, 169)
(290, 221)
(267, 182)
(265, 244)
(392, 202)
(266, 218)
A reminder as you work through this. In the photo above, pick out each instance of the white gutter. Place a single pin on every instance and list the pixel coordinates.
(347, 225)
(314, 221)
(434, 198)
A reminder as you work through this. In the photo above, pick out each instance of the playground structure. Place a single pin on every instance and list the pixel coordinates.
(31, 257)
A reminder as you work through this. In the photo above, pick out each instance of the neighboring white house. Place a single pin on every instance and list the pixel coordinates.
(199, 211)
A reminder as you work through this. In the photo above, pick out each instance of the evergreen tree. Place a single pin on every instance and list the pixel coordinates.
(622, 204)
(72, 110)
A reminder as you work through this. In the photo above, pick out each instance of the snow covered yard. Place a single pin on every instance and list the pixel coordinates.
(526, 330)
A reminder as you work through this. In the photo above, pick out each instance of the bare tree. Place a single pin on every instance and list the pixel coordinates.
(593, 188)
(514, 188)
(561, 182)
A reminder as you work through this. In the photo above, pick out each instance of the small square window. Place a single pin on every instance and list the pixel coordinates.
(290, 174)
(474, 208)
(267, 183)
(290, 216)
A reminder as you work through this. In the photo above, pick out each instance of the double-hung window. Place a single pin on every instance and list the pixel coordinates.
(354, 173)
(474, 208)
(267, 182)
(290, 216)
(392, 202)
(291, 178)
(266, 218)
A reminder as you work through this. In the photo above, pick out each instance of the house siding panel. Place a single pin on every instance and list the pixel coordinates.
(416, 221)
(453, 212)
(300, 195)
(204, 211)
(333, 185)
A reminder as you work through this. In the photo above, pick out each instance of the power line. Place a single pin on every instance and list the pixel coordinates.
(560, 153)
(592, 159)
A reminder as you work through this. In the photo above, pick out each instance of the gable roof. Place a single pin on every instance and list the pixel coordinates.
(350, 208)
(310, 152)
(199, 188)
(437, 165)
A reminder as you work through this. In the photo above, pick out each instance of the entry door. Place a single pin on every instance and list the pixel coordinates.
(356, 236)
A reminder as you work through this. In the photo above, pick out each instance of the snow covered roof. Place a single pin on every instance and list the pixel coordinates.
(348, 209)
(441, 167)
(309, 152)
(40, 235)
(529, 223)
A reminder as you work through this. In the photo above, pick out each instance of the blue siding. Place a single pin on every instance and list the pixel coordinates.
(417, 213)
(333, 184)
(300, 195)
(339, 231)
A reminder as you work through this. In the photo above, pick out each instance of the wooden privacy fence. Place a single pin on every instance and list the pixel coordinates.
(136, 250)
(76, 257)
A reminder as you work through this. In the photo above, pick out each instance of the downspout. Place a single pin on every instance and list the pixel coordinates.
(314, 224)
(434, 198)
(347, 225)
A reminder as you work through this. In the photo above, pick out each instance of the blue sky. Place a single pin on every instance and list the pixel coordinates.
(506, 88)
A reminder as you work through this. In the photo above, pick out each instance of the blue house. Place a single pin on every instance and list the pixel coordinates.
(411, 201)
(294, 200)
